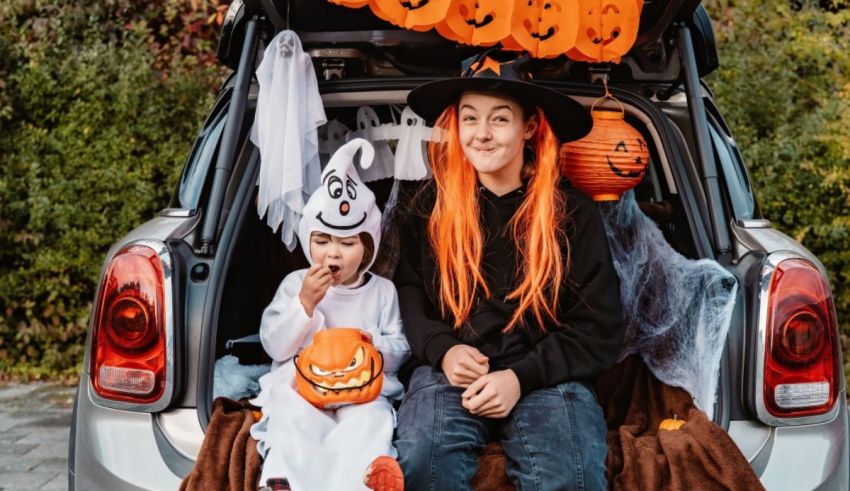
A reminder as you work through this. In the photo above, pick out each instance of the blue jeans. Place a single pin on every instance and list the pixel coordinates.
(553, 439)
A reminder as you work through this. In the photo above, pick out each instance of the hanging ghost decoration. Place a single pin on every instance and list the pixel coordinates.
(369, 128)
(411, 163)
(336, 134)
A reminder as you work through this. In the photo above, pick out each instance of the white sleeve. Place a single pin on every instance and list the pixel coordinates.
(285, 327)
(391, 341)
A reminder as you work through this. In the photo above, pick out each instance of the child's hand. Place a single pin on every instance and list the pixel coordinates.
(316, 283)
(493, 395)
(464, 364)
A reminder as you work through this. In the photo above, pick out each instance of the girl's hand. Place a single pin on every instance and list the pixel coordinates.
(316, 283)
(464, 364)
(492, 396)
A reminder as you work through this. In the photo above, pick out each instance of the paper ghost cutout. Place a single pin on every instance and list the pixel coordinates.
(370, 129)
(336, 134)
(411, 163)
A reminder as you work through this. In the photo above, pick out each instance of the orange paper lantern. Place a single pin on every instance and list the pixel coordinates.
(477, 22)
(418, 15)
(607, 29)
(610, 160)
(341, 367)
(544, 28)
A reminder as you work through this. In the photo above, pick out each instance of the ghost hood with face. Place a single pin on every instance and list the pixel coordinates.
(342, 205)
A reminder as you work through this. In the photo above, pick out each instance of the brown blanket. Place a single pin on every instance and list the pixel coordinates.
(700, 455)
(228, 459)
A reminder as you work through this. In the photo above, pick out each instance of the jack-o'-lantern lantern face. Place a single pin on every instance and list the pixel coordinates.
(419, 15)
(478, 22)
(545, 28)
(634, 153)
(607, 28)
(340, 367)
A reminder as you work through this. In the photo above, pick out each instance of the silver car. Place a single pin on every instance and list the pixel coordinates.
(176, 289)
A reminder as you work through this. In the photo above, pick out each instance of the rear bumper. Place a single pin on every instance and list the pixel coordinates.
(114, 449)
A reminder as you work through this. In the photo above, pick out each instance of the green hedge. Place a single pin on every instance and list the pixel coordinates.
(784, 88)
(99, 103)
(93, 139)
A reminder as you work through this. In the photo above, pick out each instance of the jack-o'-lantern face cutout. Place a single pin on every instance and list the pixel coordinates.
(607, 29)
(341, 367)
(629, 158)
(418, 15)
(477, 22)
(544, 28)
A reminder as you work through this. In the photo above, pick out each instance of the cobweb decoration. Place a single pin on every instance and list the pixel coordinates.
(677, 310)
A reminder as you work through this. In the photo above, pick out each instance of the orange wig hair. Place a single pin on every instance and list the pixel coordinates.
(454, 229)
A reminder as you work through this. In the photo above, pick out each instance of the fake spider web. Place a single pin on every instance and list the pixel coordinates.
(677, 310)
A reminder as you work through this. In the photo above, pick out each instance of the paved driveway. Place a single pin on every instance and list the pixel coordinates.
(34, 425)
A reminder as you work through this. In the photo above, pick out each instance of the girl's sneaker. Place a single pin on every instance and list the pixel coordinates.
(384, 474)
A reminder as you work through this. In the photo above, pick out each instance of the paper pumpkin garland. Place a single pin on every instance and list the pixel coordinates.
(584, 30)
(544, 28)
(341, 367)
(418, 15)
(477, 22)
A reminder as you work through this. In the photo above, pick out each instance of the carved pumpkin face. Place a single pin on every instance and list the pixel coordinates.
(544, 28)
(418, 15)
(341, 367)
(477, 22)
(607, 29)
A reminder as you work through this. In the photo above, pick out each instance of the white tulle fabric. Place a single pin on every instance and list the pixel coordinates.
(677, 310)
(289, 111)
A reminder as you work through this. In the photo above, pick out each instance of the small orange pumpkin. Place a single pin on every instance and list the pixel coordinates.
(544, 28)
(341, 367)
(477, 22)
(607, 29)
(671, 424)
(610, 160)
(418, 15)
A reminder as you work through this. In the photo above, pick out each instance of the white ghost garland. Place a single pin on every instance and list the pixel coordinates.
(369, 128)
(411, 163)
(336, 134)
(343, 205)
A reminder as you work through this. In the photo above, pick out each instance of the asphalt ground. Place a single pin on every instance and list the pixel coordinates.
(34, 426)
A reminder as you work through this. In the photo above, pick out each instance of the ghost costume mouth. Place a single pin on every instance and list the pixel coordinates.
(340, 227)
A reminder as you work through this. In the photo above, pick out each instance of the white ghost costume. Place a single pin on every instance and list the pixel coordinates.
(330, 449)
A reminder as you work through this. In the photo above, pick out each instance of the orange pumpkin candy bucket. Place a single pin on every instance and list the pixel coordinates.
(341, 367)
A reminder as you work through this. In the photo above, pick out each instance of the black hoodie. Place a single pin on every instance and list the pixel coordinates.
(585, 341)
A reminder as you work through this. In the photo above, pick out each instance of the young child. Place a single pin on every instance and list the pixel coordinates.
(319, 449)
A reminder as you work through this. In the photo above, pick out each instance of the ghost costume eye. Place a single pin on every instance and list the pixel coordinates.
(351, 189)
(335, 187)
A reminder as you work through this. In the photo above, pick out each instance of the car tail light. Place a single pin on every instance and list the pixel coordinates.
(801, 354)
(130, 333)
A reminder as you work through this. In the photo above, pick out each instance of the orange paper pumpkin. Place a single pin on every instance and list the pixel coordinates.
(418, 15)
(477, 22)
(544, 28)
(354, 4)
(610, 160)
(341, 367)
(607, 29)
